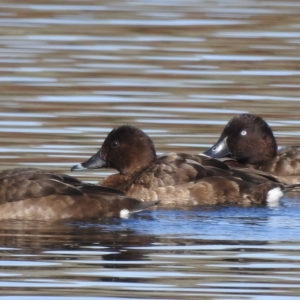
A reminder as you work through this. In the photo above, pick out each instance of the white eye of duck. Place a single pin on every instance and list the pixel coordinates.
(244, 132)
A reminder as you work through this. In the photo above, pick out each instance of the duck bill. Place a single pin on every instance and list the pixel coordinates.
(95, 162)
(219, 149)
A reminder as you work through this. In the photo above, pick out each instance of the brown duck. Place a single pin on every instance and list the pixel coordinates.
(33, 194)
(248, 142)
(177, 179)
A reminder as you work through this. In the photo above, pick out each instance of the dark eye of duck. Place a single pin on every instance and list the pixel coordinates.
(114, 144)
(244, 132)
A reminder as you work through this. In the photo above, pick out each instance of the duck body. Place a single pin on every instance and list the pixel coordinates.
(34, 194)
(175, 179)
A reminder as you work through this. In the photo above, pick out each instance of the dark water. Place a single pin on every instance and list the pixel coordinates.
(72, 70)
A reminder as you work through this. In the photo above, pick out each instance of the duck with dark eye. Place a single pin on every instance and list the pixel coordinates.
(176, 179)
(34, 194)
(249, 141)
(114, 144)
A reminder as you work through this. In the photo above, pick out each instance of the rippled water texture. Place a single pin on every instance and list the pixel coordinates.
(72, 70)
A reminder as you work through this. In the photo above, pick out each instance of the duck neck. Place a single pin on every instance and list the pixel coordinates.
(118, 181)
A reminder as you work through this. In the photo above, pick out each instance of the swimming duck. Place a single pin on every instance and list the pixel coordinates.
(249, 141)
(34, 194)
(176, 179)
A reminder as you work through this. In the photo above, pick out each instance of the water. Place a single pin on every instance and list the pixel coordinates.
(71, 71)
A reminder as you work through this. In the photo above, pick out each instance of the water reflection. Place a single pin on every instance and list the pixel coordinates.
(135, 254)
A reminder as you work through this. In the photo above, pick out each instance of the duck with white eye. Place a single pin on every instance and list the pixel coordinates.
(221, 147)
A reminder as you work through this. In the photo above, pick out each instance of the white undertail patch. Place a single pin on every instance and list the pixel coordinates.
(124, 213)
(274, 196)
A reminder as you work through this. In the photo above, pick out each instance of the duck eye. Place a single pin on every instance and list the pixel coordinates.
(114, 144)
(244, 132)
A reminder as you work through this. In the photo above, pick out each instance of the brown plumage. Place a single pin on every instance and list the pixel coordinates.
(175, 179)
(248, 142)
(33, 194)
